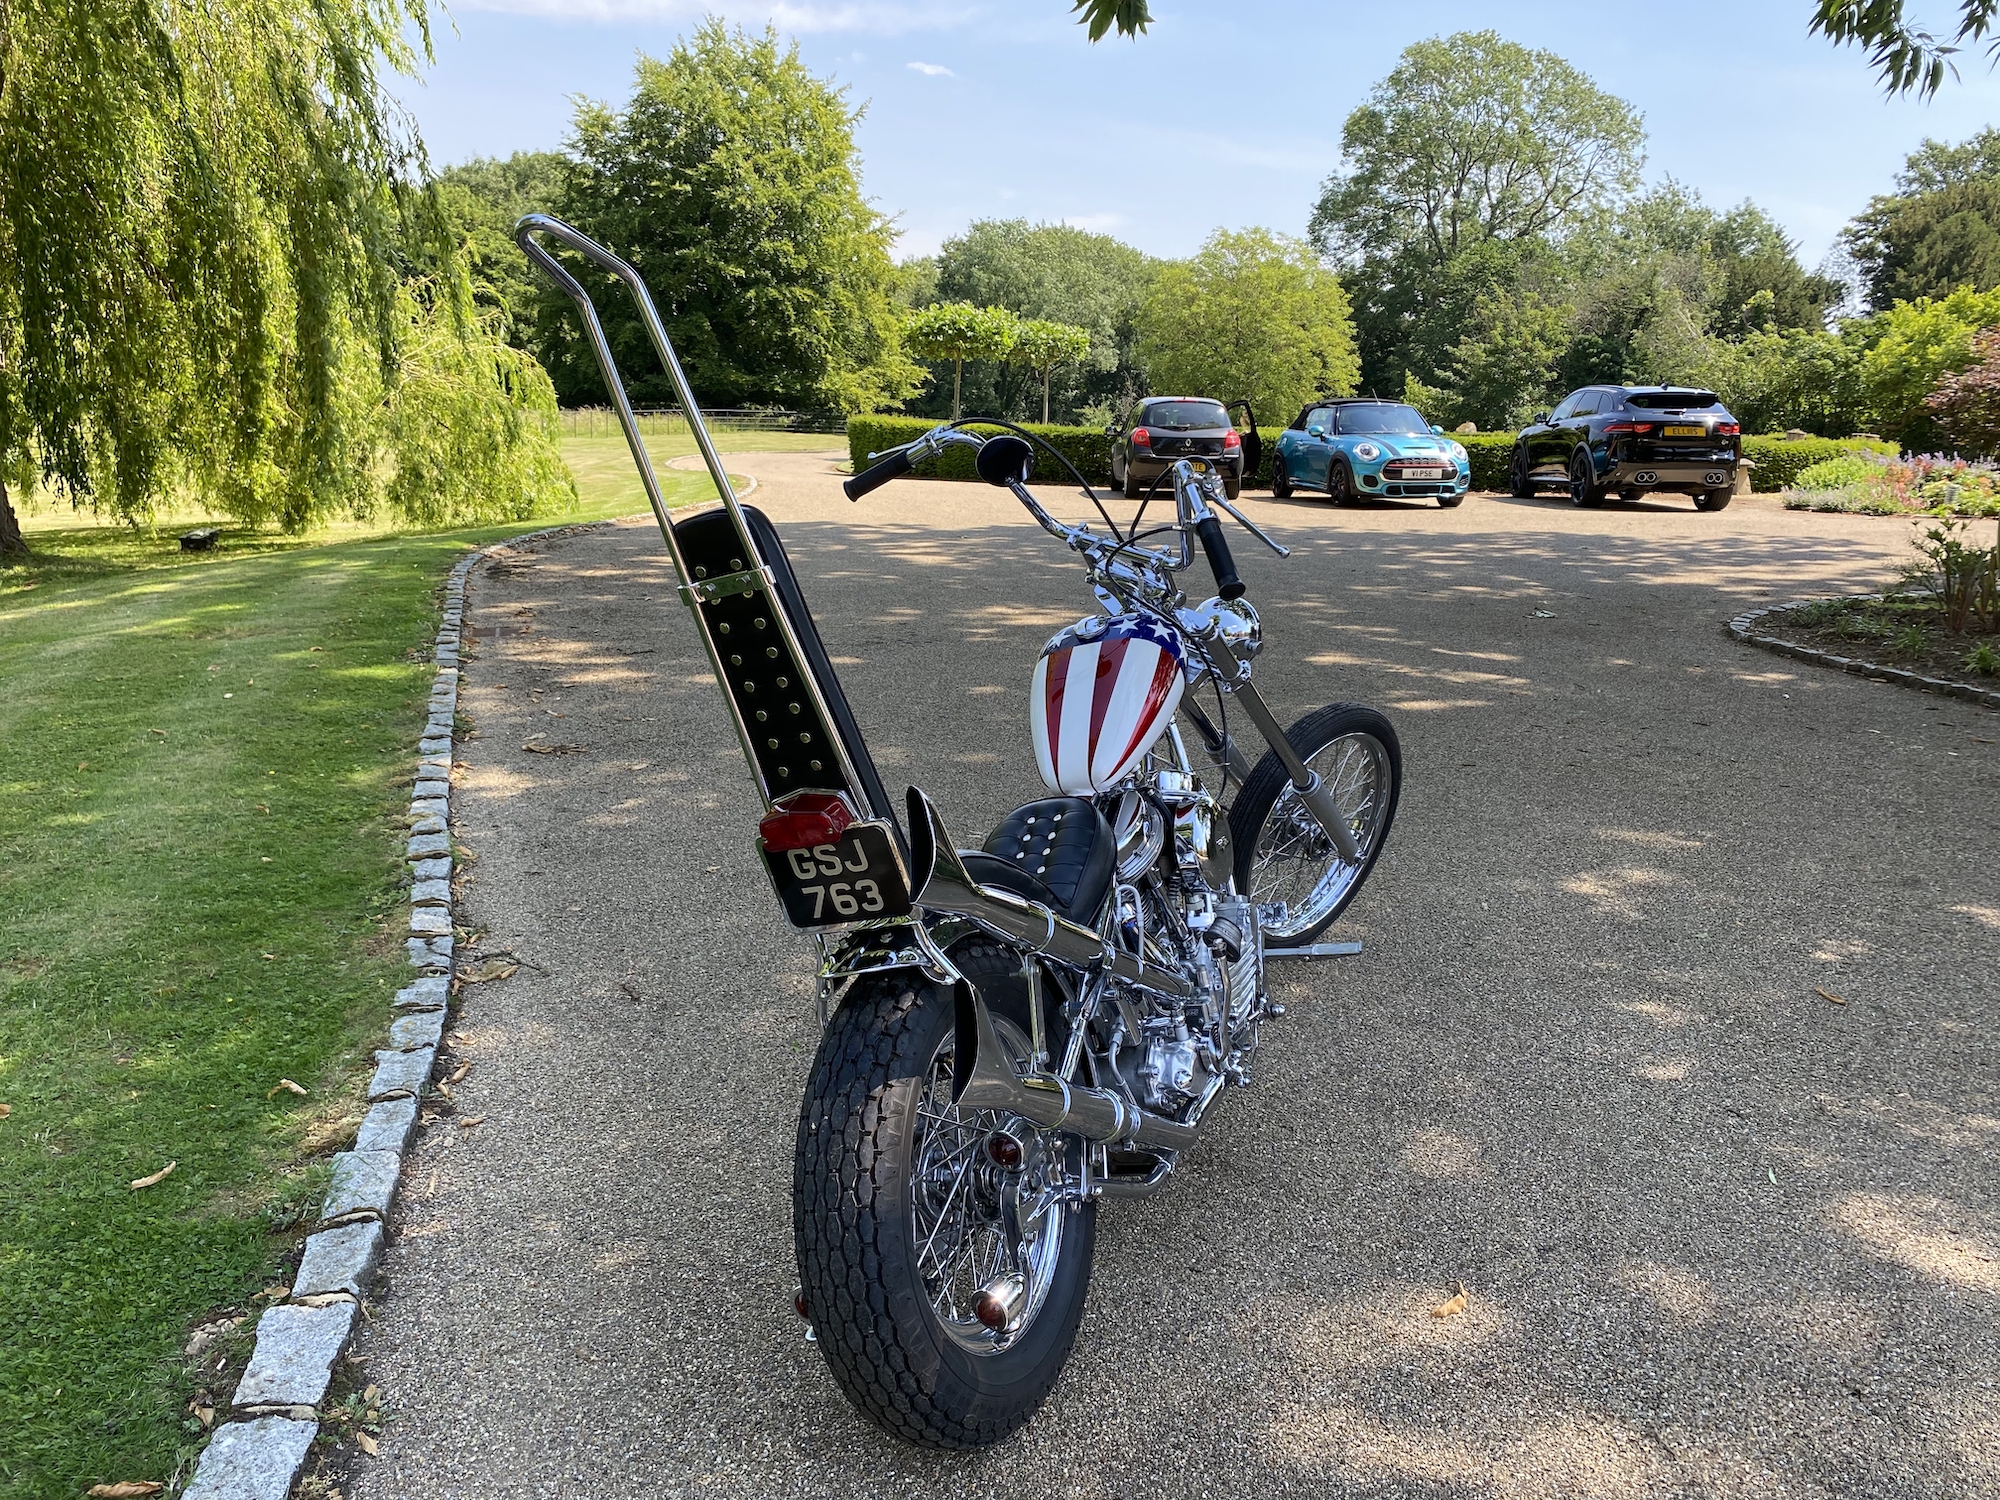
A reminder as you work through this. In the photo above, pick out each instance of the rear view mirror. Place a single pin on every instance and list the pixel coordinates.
(1005, 459)
(1541, 418)
(1112, 430)
(1436, 428)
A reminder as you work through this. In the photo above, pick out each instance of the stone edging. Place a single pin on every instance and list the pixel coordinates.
(1743, 628)
(275, 1413)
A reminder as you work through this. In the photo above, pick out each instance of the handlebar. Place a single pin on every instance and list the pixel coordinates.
(893, 466)
(1220, 563)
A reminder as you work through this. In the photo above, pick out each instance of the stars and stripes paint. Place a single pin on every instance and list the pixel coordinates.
(1104, 691)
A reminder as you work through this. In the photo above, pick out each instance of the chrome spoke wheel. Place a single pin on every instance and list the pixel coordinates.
(1296, 873)
(984, 1226)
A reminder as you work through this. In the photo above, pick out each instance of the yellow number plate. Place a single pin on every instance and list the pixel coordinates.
(1687, 432)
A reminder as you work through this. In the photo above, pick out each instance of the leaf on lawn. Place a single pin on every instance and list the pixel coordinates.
(367, 1444)
(500, 966)
(6, 1110)
(277, 1291)
(146, 1182)
(1452, 1308)
(1825, 995)
(160, 732)
(458, 1073)
(205, 1415)
(126, 1489)
(539, 747)
(371, 1393)
(288, 1086)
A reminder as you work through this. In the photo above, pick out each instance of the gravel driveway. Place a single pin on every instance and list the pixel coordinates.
(1721, 1235)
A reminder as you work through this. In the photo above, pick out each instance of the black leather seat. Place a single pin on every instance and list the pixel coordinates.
(1059, 851)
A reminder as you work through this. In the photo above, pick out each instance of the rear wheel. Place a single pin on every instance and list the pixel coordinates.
(1713, 499)
(903, 1217)
(1281, 479)
(1284, 859)
(1583, 487)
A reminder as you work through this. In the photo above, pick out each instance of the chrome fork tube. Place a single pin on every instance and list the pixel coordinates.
(1312, 791)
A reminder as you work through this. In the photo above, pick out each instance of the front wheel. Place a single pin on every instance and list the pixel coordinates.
(942, 1256)
(1339, 482)
(1285, 862)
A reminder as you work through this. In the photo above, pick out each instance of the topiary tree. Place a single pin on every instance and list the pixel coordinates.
(958, 331)
(1042, 345)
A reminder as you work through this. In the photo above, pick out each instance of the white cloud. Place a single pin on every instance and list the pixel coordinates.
(931, 70)
(879, 17)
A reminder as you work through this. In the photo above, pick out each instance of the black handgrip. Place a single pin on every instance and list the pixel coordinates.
(877, 475)
(1220, 563)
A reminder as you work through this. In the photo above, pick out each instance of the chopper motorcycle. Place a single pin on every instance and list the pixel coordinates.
(1016, 1032)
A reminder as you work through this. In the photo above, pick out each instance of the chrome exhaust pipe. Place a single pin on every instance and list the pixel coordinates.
(990, 1082)
(944, 884)
(983, 1075)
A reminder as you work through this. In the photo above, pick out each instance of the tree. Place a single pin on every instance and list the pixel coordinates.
(1042, 345)
(1253, 316)
(485, 197)
(958, 331)
(731, 182)
(1966, 403)
(204, 208)
(1913, 346)
(1052, 272)
(1938, 231)
(1906, 57)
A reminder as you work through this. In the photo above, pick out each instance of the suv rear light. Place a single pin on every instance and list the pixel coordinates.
(805, 820)
(1627, 429)
(1728, 429)
(1231, 440)
(1141, 438)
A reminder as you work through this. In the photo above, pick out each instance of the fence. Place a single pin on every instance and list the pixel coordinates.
(667, 421)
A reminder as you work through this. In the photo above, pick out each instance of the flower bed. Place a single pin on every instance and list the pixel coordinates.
(1875, 484)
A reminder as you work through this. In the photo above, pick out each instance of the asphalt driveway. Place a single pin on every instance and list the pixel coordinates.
(1721, 1236)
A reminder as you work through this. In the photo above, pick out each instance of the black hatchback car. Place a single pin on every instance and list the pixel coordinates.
(1164, 428)
(1631, 440)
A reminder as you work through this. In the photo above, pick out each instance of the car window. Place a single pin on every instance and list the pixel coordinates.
(1567, 408)
(1182, 416)
(1319, 416)
(1673, 400)
(1388, 417)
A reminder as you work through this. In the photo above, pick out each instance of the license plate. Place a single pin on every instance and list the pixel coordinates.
(1687, 432)
(857, 879)
(1423, 473)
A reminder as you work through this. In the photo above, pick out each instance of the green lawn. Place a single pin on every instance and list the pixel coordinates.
(204, 764)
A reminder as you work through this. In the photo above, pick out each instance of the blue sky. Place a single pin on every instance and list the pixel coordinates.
(1223, 114)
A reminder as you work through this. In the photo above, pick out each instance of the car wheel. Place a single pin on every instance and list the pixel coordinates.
(1281, 478)
(1449, 502)
(1713, 500)
(1231, 488)
(1133, 487)
(1519, 485)
(1339, 482)
(1583, 488)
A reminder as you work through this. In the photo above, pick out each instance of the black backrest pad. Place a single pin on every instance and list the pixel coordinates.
(791, 743)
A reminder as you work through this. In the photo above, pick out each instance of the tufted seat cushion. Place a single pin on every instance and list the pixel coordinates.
(1059, 851)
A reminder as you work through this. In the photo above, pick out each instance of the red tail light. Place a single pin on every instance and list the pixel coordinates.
(1630, 429)
(1141, 438)
(805, 820)
(1231, 440)
(1728, 429)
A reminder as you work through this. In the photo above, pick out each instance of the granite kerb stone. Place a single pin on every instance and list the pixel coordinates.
(363, 1183)
(293, 1359)
(341, 1259)
(253, 1460)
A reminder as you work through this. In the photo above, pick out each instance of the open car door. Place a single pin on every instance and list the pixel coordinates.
(1253, 446)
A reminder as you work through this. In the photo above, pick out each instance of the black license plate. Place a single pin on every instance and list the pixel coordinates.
(858, 879)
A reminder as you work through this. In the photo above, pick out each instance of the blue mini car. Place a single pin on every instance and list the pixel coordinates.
(1359, 447)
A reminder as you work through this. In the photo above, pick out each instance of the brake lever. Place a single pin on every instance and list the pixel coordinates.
(1249, 525)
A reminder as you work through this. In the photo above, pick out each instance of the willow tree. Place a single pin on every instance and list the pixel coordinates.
(206, 211)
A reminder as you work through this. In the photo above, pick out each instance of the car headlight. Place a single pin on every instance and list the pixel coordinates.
(1459, 450)
(1367, 452)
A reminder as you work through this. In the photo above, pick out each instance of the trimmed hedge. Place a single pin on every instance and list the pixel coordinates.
(1777, 461)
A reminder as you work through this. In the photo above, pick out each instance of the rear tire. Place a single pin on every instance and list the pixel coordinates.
(1713, 500)
(1281, 479)
(1281, 853)
(867, 1157)
(1583, 488)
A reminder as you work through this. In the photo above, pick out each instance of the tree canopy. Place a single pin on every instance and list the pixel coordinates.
(959, 331)
(1253, 316)
(1043, 345)
(731, 182)
(1939, 230)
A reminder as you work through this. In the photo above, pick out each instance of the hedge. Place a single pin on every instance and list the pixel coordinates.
(1776, 461)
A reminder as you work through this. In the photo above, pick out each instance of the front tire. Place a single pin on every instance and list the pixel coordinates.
(1283, 856)
(884, 1166)
(1339, 482)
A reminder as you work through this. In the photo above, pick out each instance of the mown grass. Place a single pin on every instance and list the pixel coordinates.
(204, 768)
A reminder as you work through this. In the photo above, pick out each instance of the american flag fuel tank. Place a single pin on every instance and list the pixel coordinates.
(1104, 691)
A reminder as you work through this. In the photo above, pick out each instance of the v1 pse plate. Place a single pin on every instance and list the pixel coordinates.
(858, 879)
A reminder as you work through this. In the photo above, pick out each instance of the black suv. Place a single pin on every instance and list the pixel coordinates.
(1635, 440)
(1164, 428)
